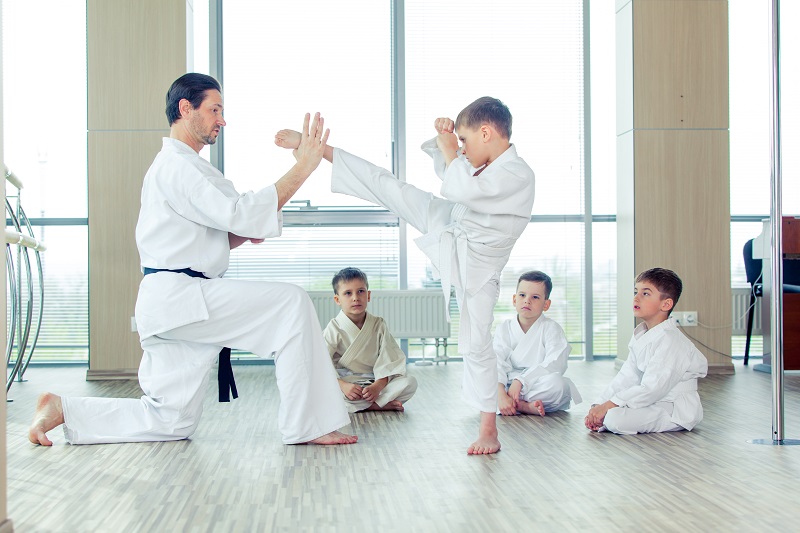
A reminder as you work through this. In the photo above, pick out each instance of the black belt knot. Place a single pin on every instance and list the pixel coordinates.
(227, 385)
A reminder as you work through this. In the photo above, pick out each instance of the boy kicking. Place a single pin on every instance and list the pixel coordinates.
(468, 234)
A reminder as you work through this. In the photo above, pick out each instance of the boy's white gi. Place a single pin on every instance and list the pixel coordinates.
(656, 388)
(188, 208)
(538, 359)
(368, 353)
(468, 237)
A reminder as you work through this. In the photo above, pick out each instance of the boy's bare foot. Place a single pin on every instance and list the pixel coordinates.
(49, 414)
(485, 445)
(288, 139)
(334, 437)
(487, 436)
(394, 405)
(536, 407)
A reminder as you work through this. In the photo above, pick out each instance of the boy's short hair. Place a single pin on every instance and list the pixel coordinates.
(486, 110)
(348, 274)
(537, 277)
(666, 281)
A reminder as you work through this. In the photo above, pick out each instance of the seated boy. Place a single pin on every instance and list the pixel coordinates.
(371, 366)
(656, 388)
(532, 353)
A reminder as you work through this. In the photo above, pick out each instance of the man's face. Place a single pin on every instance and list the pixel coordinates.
(352, 296)
(530, 300)
(206, 121)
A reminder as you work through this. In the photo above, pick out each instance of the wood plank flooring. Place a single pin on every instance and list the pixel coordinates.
(409, 472)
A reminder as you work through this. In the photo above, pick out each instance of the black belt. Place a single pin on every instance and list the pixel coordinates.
(225, 372)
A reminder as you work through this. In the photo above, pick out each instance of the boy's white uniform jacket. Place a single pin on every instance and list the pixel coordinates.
(662, 366)
(527, 357)
(369, 352)
(469, 236)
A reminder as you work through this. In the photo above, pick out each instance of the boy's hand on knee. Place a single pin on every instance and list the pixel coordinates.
(514, 390)
(351, 391)
(371, 392)
(506, 404)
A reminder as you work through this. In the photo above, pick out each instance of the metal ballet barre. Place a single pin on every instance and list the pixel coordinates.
(21, 326)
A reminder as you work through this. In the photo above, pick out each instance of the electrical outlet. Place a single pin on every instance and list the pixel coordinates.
(685, 319)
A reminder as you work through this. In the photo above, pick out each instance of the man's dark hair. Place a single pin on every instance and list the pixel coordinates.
(666, 281)
(348, 274)
(538, 277)
(486, 110)
(191, 86)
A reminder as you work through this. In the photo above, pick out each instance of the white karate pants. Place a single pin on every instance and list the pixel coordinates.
(552, 389)
(401, 388)
(656, 418)
(426, 212)
(260, 317)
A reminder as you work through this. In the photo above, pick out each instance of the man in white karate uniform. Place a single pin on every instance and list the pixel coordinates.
(190, 218)
(532, 354)
(656, 388)
(370, 366)
(467, 235)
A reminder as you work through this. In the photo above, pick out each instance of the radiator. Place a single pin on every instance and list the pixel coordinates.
(409, 314)
(741, 301)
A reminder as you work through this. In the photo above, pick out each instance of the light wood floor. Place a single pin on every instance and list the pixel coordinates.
(409, 471)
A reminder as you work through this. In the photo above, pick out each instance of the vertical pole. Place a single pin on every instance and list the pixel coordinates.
(776, 220)
(588, 279)
(215, 65)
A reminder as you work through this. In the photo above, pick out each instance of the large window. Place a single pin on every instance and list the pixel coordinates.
(340, 59)
(44, 121)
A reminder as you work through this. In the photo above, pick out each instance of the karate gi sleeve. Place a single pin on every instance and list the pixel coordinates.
(503, 350)
(665, 369)
(627, 377)
(214, 202)
(557, 351)
(439, 164)
(391, 359)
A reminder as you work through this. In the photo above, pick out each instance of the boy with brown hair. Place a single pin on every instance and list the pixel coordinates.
(370, 366)
(656, 388)
(532, 354)
(468, 234)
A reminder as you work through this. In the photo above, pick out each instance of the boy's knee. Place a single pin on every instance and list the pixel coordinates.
(616, 422)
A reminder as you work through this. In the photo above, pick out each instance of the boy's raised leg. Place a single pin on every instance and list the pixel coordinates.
(487, 442)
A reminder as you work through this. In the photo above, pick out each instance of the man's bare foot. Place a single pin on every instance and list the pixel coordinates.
(288, 139)
(536, 407)
(334, 437)
(49, 414)
(394, 405)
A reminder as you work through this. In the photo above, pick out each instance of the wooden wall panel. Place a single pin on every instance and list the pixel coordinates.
(135, 50)
(682, 199)
(117, 165)
(680, 55)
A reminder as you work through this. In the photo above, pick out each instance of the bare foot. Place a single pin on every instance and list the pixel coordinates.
(288, 139)
(487, 436)
(334, 437)
(394, 405)
(49, 414)
(485, 445)
(536, 407)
